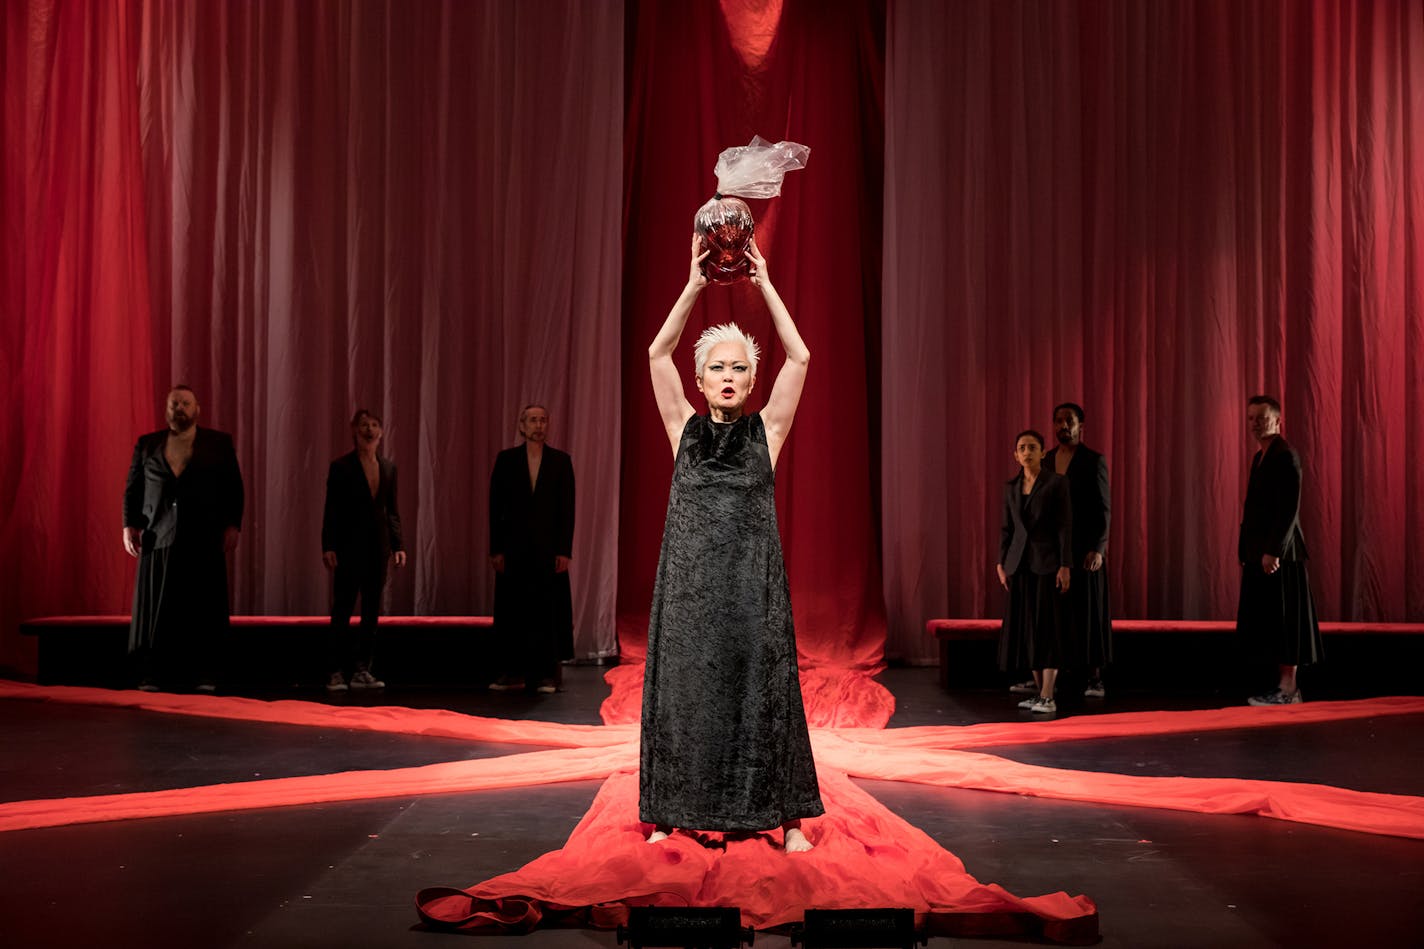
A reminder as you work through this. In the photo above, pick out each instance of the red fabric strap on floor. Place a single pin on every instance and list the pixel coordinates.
(1130, 724)
(432, 723)
(865, 856)
(833, 697)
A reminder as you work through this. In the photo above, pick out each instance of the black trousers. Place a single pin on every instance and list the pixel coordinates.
(355, 576)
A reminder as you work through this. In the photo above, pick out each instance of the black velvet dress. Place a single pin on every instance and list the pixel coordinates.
(724, 739)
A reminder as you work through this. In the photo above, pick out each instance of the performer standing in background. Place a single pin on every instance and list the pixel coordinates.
(725, 745)
(360, 535)
(1088, 647)
(182, 514)
(1035, 567)
(1276, 616)
(531, 544)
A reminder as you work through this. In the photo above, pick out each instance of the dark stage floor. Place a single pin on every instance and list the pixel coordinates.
(346, 874)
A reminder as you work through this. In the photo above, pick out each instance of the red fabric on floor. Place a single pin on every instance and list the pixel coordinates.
(1325, 806)
(926, 755)
(865, 856)
(451, 777)
(835, 697)
(1130, 724)
(432, 723)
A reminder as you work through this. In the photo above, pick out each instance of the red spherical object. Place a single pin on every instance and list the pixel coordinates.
(725, 227)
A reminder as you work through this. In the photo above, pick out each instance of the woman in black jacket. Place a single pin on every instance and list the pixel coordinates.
(1035, 560)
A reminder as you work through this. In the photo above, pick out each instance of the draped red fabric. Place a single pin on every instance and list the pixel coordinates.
(76, 366)
(1155, 210)
(932, 755)
(298, 209)
(703, 77)
(866, 855)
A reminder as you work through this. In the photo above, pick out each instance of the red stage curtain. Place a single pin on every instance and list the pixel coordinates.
(702, 77)
(412, 207)
(76, 365)
(1155, 210)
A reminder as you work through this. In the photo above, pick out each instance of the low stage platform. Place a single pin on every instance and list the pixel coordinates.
(272, 651)
(346, 872)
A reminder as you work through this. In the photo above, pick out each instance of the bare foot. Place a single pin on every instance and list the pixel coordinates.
(796, 841)
(657, 836)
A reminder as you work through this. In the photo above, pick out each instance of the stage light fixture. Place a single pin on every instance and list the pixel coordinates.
(685, 927)
(857, 929)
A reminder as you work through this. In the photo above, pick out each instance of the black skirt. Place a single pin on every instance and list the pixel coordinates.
(1087, 637)
(1035, 619)
(1276, 615)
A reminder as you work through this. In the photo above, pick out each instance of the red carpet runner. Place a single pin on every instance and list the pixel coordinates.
(865, 855)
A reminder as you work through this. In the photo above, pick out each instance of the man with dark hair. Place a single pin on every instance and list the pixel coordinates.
(1088, 639)
(182, 513)
(1276, 615)
(531, 544)
(360, 536)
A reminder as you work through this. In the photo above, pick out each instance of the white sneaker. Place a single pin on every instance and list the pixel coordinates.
(364, 680)
(1042, 706)
(1095, 690)
(337, 683)
(1024, 688)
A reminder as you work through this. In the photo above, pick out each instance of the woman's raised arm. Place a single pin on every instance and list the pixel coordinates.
(673, 407)
(780, 409)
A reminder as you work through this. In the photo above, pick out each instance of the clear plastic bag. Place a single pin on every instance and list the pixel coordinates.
(756, 170)
(725, 223)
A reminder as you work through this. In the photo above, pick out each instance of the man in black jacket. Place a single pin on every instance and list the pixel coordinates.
(1276, 615)
(360, 535)
(531, 544)
(1088, 643)
(182, 513)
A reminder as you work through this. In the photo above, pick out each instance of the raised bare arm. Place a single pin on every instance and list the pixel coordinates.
(673, 407)
(780, 409)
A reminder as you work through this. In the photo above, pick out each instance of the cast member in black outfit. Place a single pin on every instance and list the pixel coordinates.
(1088, 646)
(1276, 615)
(360, 535)
(1035, 567)
(725, 745)
(182, 513)
(531, 544)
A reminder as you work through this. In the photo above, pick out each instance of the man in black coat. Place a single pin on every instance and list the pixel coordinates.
(182, 513)
(1276, 615)
(360, 535)
(531, 544)
(1088, 645)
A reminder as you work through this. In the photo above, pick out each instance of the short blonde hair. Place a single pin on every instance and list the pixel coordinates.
(724, 333)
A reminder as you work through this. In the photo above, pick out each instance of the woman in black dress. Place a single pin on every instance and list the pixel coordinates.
(724, 740)
(1035, 565)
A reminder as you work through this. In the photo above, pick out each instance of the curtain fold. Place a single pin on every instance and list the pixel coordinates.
(1156, 211)
(704, 77)
(423, 208)
(408, 207)
(75, 361)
